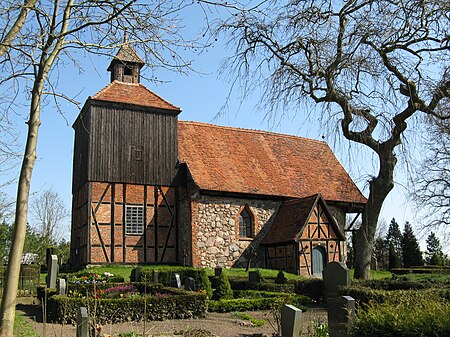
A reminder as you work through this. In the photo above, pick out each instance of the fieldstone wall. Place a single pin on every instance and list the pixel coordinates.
(216, 230)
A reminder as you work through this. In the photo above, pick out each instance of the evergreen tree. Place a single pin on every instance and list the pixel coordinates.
(412, 256)
(381, 253)
(435, 256)
(394, 240)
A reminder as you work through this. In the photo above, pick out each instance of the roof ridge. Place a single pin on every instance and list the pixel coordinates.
(271, 133)
(102, 90)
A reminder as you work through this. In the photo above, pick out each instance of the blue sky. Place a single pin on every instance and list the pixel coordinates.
(201, 98)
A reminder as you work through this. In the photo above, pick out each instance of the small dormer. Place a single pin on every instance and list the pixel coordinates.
(126, 65)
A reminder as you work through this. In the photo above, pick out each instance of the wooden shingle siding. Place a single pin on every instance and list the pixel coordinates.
(135, 148)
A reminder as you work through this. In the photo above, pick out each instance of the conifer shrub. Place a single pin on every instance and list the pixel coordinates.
(281, 278)
(223, 290)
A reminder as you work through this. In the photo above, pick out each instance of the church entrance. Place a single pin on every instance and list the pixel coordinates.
(318, 260)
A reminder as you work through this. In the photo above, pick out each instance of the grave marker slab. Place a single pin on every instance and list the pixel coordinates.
(253, 276)
(155, 276)
(189, 284)
(52, 265)
(335, 275)
(61, 286)
(176, 280)
(341, 311)
(218, 271)
(290, 321)
(82, 323)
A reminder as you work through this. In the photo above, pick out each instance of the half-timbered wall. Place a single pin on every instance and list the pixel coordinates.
(283, 257)
(101, 224)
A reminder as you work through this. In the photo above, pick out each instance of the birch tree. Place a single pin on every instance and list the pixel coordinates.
(38, 37)
(373, 66)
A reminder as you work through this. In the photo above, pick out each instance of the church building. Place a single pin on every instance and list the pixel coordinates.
(148, 188)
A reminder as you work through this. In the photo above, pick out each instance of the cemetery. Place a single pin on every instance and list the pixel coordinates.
(94, 297)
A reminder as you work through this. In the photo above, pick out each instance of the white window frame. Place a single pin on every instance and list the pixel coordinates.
(134, 220)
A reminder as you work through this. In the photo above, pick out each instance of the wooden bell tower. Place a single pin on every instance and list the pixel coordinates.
(125, 170)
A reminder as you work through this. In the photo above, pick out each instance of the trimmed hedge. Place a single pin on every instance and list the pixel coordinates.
(268, 294)
(420, 270)
(244, 284)
(311, 287)
(391, 284)
(252, 304)
(166, 276)
(183, 304)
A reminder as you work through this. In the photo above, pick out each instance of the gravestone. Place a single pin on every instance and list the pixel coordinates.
(82, 323)
(61, 286)
(341, 312)
(189, 284)
(155, 276)
(176, 280)
(253, 276)
(137, 274)
(218, 271)
(335, 275)
(290, 321)
(52, 265)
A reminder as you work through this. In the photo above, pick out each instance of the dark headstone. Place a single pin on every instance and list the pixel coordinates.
(82, 323)
(137, 274)
(155, 276)
(176, 280)
(218, 271)
(52, 265)
(341, 311)
(290, 321)
(189, 284)
(335, 275)
(253, 276)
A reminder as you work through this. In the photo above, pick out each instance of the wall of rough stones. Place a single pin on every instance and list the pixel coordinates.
(216, 230)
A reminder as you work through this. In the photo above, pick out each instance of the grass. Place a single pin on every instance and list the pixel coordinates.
(248, 317)
(118, 270)
(22, 327)
(266, 273)
(375, 274)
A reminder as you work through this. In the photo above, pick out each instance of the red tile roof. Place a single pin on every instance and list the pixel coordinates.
(247, 161)
(291, 219)
(132, 93)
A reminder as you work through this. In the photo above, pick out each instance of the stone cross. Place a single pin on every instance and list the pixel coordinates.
(82, 323)
(341, 312)
(52, 266)
(189, 284)
(61, 286)
(290, 321)
(335, 275)
(176, 280)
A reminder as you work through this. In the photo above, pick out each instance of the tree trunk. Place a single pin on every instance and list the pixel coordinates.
(8, 305)
(365, 236)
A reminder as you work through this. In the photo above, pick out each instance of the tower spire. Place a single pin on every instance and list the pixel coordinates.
(126, 65)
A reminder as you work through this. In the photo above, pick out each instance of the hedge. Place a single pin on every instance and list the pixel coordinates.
(244, 284)
(420, 270)
(180, 304)
(391, 284)
(311, 287)
(166, 276)
(252, 304)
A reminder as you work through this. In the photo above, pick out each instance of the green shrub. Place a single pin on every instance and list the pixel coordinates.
(301, 299)
(173, 304)
(311, 287)
(391, 284)
(243, 284)
(421, 270)
(281, 279)
(223, 290)
(413, 313)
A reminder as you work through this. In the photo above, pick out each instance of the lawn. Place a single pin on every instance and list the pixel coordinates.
(22, 328)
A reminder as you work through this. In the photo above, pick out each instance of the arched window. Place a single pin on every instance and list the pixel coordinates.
(245, 224)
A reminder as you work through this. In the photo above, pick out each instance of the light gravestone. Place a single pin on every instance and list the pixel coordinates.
(61, 286)
(82, 323)
(335, 275)
(189, 284)
(176, 280)
(52, 265)
(290, 321)
(155, 276)
(341, 312)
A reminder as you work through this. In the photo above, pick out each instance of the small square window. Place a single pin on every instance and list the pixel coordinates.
(134, 220)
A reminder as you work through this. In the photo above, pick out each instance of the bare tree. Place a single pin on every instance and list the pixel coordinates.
(52, 33)
(432, 179)
(372, 65)
(49, 211)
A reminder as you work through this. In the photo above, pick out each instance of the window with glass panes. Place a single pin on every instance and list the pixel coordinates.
(245, 224)
(134, 220)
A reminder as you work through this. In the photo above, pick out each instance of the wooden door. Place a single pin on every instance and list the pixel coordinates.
(318, 260)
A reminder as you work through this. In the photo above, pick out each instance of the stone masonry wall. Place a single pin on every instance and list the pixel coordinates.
(216, 230)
